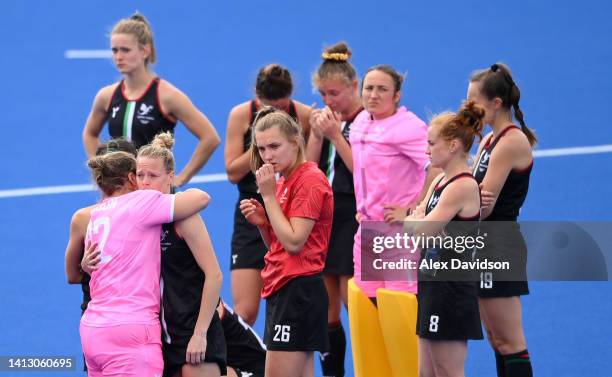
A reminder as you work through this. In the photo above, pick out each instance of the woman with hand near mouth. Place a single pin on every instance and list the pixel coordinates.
(336, 81)
(273, 87)
(295, 224)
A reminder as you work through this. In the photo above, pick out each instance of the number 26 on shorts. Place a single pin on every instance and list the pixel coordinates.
(282, 333)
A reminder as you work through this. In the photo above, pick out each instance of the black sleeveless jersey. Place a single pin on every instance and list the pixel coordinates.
(181, 286)
(137, 120)
(437, 193)
(514, 190)
(247, 184)
(458, 227)
(339, 176)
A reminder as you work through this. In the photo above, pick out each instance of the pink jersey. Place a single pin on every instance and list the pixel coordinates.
(125, 287)
(389, 161)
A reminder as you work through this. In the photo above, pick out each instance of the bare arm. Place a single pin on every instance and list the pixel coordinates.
(459, 197)
(313, 148)
(315, 140)
(431, 174)
(326, 123)
(193, 231)
(343, 148)
(96, 119)
(303, 113)
(481, 146)
(178, 105)
(512, 151)
(266, 235)
(237, 160)
(330, 127)
(76, 245)
(189, 202)
(255, 214)
(291, 233)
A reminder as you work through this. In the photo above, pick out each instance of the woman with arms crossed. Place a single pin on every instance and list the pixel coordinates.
(390, 167)
(448, 301)
(503, 169)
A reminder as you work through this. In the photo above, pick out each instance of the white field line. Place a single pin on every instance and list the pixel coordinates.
(222, 177)
(573, 151)
(88, 54)
(90, 187)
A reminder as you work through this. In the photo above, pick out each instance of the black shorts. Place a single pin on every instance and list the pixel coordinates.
(506, 244)
(502, 288)
(246, 352)
(340, 252)
(248, 249)
(448, 311)
(296, 316)
(176, 351)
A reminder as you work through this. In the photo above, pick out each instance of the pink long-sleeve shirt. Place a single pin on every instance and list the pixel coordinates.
(389, 161)
(125, 287)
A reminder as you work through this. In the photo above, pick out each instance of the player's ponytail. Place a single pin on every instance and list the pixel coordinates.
(497, 82)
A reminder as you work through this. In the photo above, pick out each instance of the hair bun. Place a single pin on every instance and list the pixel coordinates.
(339, 52)
(335, 56)
(163, 140)
(138, 17)
(275, 70)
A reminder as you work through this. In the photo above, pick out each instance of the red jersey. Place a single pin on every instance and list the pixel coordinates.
(307, 194)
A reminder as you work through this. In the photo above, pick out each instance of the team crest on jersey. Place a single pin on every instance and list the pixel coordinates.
(483, 164)
(164, 244)
(283, 196)
(143, 113)
(434, 201)
(145, 109)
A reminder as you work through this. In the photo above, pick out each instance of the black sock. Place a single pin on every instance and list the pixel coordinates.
(332, 362)
(518, 365)
(500, 363)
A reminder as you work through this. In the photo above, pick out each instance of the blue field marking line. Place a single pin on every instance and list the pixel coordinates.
(222, 177)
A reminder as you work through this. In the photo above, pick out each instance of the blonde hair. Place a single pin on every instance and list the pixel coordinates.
(160, 147)
(267, 118)
(138, 26)
(110, 171)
